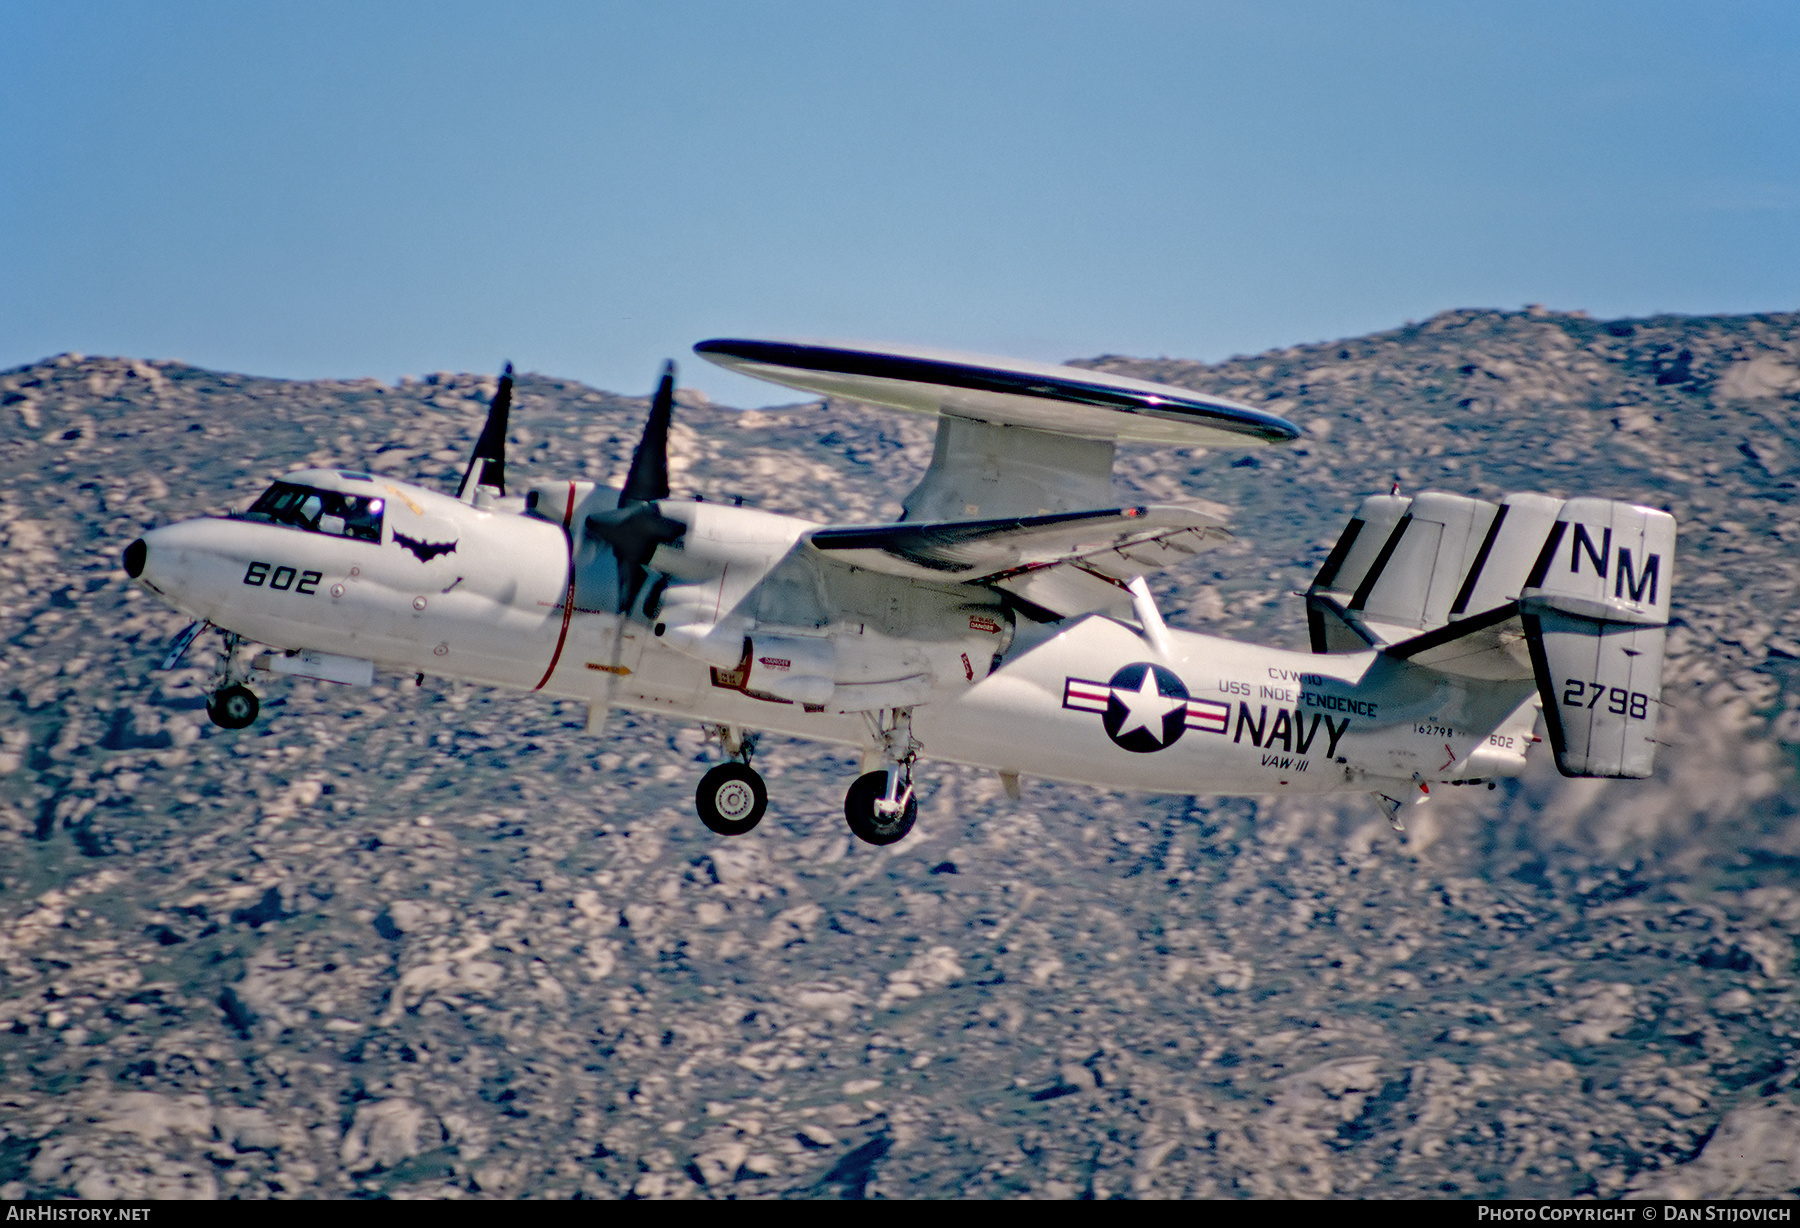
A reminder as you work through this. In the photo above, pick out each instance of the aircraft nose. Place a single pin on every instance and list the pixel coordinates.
(135, 554)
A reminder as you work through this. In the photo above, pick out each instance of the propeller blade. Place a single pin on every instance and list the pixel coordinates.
(635, 528)
(490, 449)
(648, 479)
(600, 710)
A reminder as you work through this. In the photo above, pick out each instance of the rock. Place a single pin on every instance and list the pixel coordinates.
(1076, 1078)
(1733, 1002)
(265, 910)
(1763, 376)
(150, 1116)
(1112, 994)
(837, 1005)
(1604, 1011)
(1754, 1153)
(385, 1133)
(248, 1129)
(720, 1165)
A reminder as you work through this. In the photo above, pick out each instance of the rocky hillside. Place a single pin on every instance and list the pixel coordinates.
(438, 942)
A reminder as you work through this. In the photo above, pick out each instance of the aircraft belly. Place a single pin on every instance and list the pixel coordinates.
(718, 707)
(668, 682)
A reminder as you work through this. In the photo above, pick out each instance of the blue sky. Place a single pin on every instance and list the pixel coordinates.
(365, 189)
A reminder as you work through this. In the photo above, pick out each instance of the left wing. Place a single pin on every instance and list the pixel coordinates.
(1116, 542)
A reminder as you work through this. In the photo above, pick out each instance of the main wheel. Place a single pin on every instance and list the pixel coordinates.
(869, 826)
(233, 707)
(731, 799)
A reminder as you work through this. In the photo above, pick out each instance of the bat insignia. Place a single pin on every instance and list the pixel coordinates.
(422, 550)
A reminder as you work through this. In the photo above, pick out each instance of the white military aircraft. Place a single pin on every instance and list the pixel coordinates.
(1004, 621)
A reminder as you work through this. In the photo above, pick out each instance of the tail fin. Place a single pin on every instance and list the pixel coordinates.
(1595, 610)
(1572, 594)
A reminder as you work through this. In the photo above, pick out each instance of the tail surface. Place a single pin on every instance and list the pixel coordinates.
(1573, 594)
(1595, 610)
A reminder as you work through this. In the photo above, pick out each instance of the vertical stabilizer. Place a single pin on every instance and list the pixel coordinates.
(1595, 610)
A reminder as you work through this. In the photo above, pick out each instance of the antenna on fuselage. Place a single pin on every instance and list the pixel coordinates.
(490, 449)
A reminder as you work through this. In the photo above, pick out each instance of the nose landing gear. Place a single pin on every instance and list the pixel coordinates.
(233, 705)
(731, 798)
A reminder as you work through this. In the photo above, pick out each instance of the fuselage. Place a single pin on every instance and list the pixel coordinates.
(494, 595)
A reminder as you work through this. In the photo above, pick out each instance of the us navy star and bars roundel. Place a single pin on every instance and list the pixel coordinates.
(1143, 707)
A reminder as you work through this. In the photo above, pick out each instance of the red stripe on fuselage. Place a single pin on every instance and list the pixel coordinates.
(1209, 715)
(568, 594)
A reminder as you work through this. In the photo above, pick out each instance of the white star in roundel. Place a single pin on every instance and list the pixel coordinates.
(1146, 707)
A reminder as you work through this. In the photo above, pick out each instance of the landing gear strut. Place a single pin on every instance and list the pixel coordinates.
(731, 798)
(233, 705)
(880, 806)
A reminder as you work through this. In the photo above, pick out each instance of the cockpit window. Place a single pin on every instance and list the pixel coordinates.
(319, 511)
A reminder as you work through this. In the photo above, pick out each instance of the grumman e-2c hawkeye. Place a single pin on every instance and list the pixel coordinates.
(1004, 621)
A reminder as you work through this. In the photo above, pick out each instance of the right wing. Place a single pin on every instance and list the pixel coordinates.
(1111, 544)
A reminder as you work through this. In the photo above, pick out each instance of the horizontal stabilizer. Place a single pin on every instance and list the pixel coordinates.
(1406, 566)
(1119, 542)
(1490, 645)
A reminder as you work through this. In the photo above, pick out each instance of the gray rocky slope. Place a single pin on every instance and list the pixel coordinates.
(437, 941)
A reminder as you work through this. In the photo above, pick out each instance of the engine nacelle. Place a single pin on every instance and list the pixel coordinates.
(792, 667)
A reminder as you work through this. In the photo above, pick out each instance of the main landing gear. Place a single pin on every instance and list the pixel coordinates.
(233, 705)
(731, 798)
(880, 806)
(873, 812)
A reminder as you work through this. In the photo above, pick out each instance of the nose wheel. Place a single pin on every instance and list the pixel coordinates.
(233, 707)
